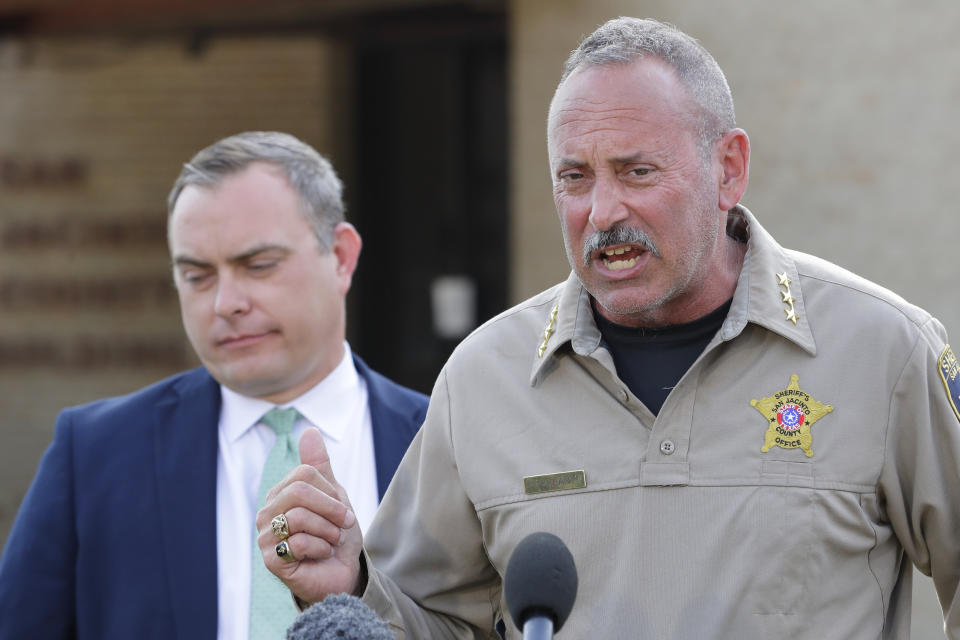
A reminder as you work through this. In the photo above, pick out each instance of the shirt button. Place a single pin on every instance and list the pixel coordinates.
(623, 396)
(667, 447)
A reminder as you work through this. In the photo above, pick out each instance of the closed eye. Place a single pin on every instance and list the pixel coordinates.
(261, 265)
(195, 277)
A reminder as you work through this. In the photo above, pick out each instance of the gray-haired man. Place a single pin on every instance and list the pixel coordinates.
(735, 440)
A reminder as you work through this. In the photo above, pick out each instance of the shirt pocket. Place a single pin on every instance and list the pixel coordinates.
(785, 508)
(579, 517)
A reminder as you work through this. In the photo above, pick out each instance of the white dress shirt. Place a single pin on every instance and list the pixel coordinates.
(338, 407)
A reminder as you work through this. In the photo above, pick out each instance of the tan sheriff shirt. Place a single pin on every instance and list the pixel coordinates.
(803, 463)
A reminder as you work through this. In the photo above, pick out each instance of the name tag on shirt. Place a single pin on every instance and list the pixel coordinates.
(563, 481)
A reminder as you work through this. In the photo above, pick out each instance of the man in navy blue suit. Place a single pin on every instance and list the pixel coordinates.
(140, 521)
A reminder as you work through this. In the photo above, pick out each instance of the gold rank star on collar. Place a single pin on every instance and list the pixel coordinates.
(548, 331)
(788, 299)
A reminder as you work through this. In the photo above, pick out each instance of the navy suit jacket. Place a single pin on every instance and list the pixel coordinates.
(116, 537)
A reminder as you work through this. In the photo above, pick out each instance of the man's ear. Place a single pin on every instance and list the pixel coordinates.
(346, 249)
(733, 153)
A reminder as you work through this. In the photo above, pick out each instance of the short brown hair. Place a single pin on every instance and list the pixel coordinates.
(309, 173)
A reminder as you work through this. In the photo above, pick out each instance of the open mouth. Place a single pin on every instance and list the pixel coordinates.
(620, 258)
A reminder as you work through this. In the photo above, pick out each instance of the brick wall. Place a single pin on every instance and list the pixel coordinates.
(92, 134)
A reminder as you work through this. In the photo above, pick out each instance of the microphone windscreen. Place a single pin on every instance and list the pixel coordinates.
(541, 579)
(341, 617)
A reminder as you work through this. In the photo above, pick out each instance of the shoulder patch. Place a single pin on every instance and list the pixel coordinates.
(950, 374)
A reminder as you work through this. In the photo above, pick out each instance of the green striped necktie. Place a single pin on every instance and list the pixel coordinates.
(271, 604)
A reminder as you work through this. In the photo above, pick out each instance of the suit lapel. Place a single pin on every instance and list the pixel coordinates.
(185, 451)
(392, 430)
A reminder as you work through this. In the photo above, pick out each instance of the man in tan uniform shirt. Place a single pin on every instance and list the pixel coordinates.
(805, 459)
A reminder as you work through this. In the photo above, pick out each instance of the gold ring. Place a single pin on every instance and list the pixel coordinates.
(284, 553)
(279, 526)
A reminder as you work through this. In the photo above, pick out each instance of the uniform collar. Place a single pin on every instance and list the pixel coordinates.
(767, 286)
(768, 289)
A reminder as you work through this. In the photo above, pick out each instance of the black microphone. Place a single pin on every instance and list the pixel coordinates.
(339, 617)
(540, 585)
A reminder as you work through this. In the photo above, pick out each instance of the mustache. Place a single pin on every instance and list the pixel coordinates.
(599, 240)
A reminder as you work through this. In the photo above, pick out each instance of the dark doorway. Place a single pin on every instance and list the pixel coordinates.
(430, 190)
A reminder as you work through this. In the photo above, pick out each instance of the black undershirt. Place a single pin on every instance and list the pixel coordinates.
(652, 361)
